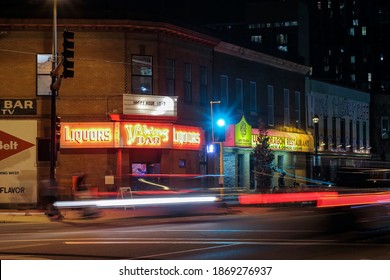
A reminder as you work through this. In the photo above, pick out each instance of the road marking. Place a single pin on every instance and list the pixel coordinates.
(183, 252)
(23, 246)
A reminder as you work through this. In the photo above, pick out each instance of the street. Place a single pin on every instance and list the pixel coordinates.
(245, 233)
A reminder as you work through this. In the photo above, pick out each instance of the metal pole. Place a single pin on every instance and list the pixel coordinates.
(221, 179)
(53, 146)
(316, 150)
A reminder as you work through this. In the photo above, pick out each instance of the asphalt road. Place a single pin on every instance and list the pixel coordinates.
(245, 233)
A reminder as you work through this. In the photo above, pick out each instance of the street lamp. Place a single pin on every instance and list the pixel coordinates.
(315, 121)
(220, 180)
(212, 119)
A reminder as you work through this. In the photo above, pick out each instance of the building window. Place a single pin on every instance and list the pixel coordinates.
(170, 77)
(203, 86)
(286, 112)
(298, 109)
(43, 149)
(365, 135)
(224, 90)
(326, 134)
(270, 95)
(239, 94)
(142, 74)
(352, 59)
(281, 41)
(357, 134)
(252, 97)
(342, 134)
(351, 134)
(44, 67)
(187, 82)
(352, 31)
(334, 133)
(385, 133)
(364, 31)
(257, 39)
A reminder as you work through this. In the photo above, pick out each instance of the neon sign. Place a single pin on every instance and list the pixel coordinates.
(185, 137)
(146, 135)
(130, 135)
(87, 135)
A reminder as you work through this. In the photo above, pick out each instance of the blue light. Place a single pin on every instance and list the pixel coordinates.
(210, 149)
(221, 122)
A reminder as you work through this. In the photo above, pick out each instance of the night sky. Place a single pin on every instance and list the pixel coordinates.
(184, 10)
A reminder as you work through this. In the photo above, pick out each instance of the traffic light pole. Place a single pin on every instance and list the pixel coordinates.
(53, 146)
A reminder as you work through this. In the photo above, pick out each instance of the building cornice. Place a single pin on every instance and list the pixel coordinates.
(247, 54)
(108, 25)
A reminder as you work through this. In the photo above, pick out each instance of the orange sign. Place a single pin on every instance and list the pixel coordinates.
(87, 135)
(187, 137)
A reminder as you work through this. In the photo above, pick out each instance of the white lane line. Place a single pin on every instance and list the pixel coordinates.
(23, 246)
(224, 242)
(182, 252)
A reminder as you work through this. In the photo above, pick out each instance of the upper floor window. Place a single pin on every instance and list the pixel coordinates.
(142, 74)
(298, 109)
(257, 39)
(239, 94)
(270, 102)
(187, 82)
(44, 67)
(224, 90)
(203, 86)
(252, 97)
(170, 77)
(286, 98)
(281, 41)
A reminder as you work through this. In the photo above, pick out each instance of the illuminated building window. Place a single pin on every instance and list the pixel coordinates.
(270, 102)
(253, 97)
(364, 31)
(256, 39)
(170, 77)
(385, 129)
(142, 74)
(187, 82)
(281, 41)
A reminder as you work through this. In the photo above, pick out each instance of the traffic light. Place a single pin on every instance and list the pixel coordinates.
(220, 131)
(58, 132)
(68, 54)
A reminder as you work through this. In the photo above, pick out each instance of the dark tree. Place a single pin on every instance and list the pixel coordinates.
(263, 161)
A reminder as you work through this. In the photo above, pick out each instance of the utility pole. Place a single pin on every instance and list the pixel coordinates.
(53, 144)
